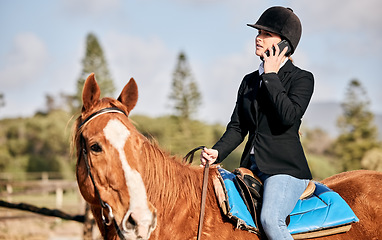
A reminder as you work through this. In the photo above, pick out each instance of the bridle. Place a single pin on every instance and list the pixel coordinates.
(107, 221)
(111, 220)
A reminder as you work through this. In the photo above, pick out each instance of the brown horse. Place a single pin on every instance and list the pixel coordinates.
(138, 191)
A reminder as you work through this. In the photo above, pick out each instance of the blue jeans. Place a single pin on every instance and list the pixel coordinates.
(281, 193)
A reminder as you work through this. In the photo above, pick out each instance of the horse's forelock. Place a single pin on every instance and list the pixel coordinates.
(102, 103)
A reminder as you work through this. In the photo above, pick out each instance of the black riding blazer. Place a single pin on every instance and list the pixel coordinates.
(271, 113)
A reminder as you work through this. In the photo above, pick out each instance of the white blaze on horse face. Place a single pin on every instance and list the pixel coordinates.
(117, 134)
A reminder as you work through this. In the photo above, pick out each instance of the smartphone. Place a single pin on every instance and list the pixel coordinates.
(282, 45)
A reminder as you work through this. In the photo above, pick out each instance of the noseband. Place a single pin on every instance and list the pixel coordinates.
(107, 221)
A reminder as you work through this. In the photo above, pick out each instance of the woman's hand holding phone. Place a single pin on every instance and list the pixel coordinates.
(273, 61)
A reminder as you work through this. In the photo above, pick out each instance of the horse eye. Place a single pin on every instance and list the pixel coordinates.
(96, 148)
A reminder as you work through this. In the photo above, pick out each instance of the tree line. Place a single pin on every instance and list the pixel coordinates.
(42, 142)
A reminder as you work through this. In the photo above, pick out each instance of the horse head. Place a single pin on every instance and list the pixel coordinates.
(108, 177)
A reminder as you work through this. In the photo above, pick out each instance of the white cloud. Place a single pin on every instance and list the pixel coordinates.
(149, 61)
(221, 80)
(91, 7)
(25, 62)
(341, 14)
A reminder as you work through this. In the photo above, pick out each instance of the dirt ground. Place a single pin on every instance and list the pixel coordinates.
(20, 225)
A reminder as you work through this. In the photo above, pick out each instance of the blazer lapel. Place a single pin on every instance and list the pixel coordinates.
(287, 68)
(260, 91)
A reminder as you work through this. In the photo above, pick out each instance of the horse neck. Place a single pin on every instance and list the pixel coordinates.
(168, 181)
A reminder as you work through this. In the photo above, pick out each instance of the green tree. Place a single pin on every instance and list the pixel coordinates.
(373, 159)
(94, 62)
(61, 101)
(48, 143)
(358, 134)
(2, 100)
(184, 95)
(35, 144)
(315, 141)
(167, 132)
(50, 103)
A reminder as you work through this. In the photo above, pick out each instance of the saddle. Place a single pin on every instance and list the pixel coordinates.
(232, 198)
(251, 189)
(319, 211)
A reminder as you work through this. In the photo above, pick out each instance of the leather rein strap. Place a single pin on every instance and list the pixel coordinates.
(84, 154)
(190, 156)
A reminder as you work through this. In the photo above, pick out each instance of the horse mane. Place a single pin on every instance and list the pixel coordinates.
(168, 179)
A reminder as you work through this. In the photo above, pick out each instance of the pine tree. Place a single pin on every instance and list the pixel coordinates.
(94, 61)
(2, 100)
(184, 93)
(358, 134)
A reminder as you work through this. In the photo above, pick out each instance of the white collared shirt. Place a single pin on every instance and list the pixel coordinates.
(261, 68)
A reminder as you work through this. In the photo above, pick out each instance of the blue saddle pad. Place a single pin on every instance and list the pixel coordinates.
(324, 209)
(236, 204)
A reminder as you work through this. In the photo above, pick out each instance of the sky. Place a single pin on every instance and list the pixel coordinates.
(42, 44)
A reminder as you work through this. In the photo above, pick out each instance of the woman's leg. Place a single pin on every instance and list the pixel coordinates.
(281, 193)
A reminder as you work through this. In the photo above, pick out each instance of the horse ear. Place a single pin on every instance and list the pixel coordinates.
(90, 93)
(129, 95)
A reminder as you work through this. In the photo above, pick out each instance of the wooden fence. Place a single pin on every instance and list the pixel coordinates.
(12, 185)
(37, 187)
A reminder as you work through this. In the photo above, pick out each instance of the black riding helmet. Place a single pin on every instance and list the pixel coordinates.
(282, 21)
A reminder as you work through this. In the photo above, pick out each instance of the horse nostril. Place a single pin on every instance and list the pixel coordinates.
(130, 223)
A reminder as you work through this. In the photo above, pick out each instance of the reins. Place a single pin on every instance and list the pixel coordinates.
(104, 205)
(190, 157)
